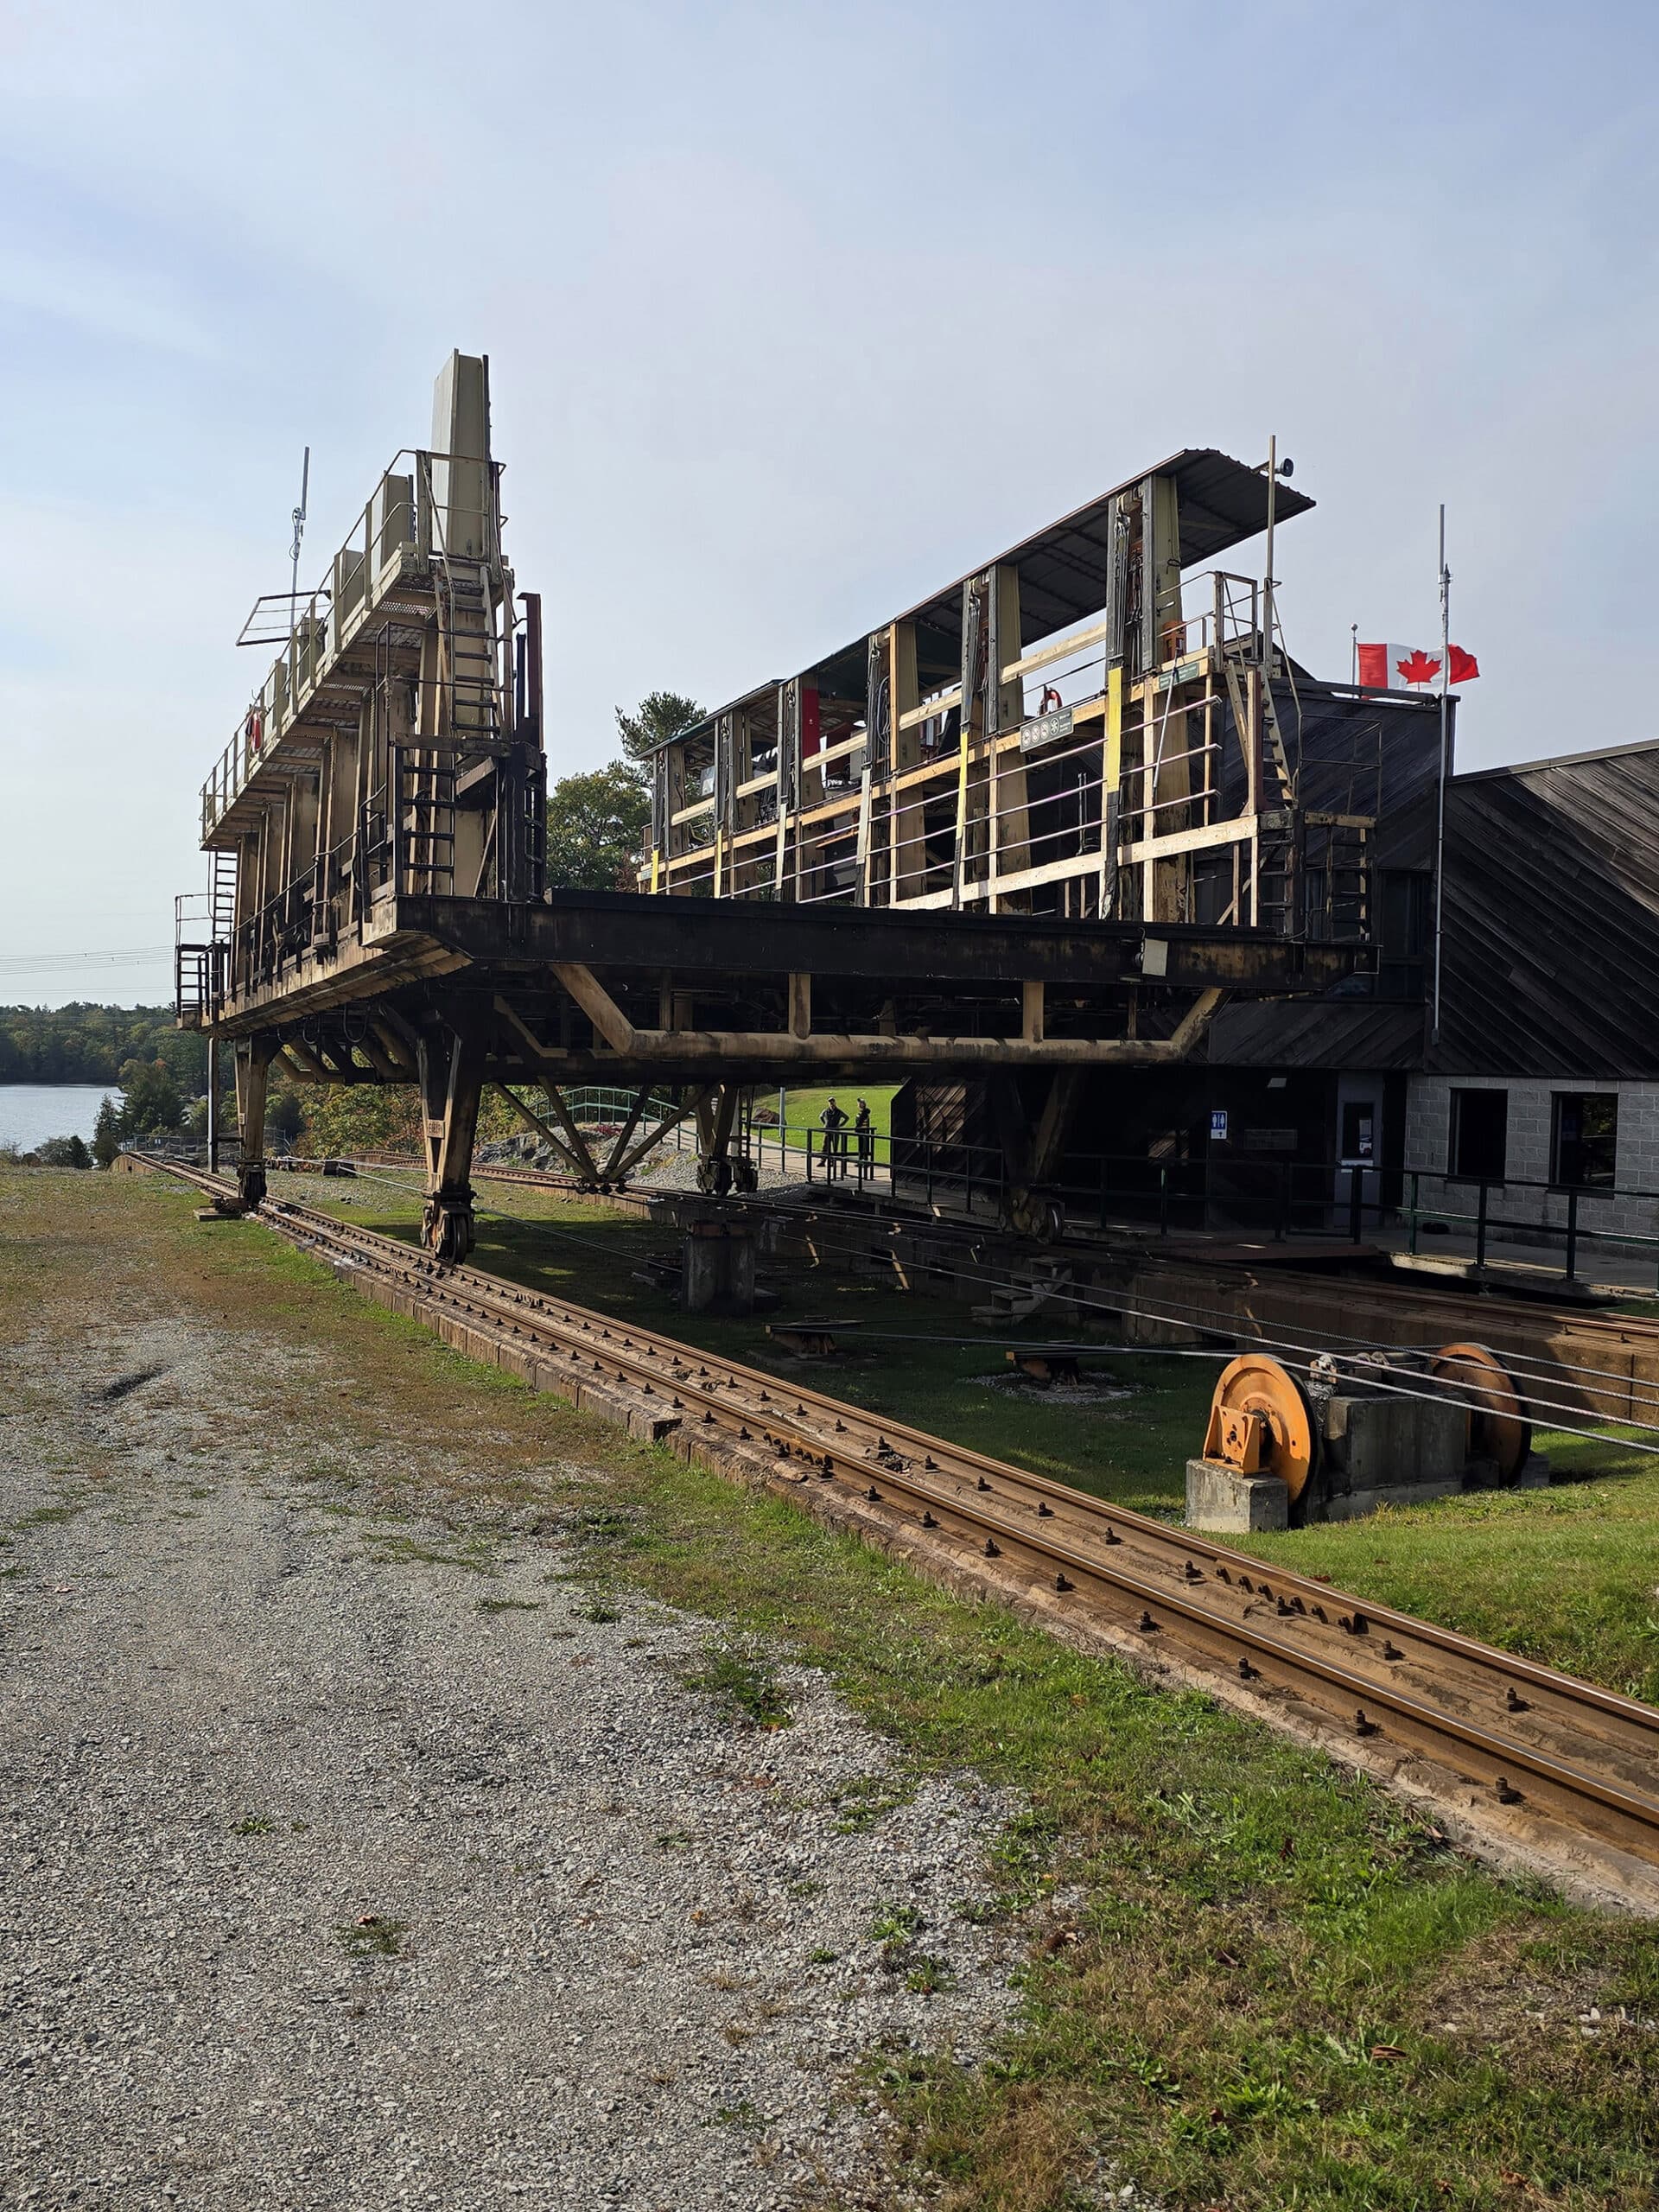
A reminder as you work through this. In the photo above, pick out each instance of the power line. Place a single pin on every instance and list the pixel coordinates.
(64, 963)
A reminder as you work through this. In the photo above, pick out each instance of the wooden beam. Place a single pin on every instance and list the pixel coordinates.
(1046, 656)
(931, 709)
(1204, 839)
(309, 1066)
(1195, 1021)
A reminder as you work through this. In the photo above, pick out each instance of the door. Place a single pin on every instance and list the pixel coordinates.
(1359, 1151)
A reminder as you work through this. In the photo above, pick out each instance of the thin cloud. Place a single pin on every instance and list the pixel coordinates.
(105, 302)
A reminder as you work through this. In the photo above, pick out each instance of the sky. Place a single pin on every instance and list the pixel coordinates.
(794, 314)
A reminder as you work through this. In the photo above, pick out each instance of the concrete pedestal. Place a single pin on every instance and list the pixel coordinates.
(1228, 1503)
(717, 1268)
(1387, 1451)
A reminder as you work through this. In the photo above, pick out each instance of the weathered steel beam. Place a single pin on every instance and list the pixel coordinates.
(608, 930)
(534, 1120)
(727, 1051)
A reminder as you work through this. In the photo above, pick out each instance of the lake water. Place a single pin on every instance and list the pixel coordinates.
(31, 1112)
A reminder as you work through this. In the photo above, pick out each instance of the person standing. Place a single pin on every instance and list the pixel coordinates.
(864, 1126)
(833, 1121)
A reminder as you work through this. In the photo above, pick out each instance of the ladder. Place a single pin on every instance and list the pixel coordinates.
(1347, 873)
(426, 820)
(1277, 871)
(221, 897)
(469, 707)
(221, 928)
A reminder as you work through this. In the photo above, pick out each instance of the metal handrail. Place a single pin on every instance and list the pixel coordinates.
(320, 623)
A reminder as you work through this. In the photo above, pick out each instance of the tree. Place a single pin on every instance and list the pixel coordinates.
(659, 716)
(106, 1134)
(152, 1100)
(284, 1115)
(595, 825)
(63, 1152)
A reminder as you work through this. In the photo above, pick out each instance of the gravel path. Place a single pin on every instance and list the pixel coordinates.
(347, 1862)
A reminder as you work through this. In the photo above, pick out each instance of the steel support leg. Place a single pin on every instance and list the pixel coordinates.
(714, 1141)
(1031, 1158)
(253, 1061)
(212, 1105)
(452, 1085)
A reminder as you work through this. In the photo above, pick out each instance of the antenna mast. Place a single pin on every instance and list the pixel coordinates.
(299, 532)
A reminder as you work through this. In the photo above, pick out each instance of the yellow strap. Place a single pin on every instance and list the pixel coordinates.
(1114, 728)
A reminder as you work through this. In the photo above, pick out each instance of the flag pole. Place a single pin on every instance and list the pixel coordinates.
(1439, 828)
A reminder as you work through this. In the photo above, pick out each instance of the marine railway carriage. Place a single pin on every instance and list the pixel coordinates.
(1041, 825)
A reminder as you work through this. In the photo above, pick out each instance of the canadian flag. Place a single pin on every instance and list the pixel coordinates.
(1409, 668)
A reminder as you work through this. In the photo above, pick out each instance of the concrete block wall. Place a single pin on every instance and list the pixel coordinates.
(1527, 1122)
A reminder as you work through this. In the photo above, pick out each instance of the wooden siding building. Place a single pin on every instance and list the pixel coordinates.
(1543, 1077)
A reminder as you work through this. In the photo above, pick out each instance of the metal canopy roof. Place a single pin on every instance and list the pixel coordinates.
(1063, 568)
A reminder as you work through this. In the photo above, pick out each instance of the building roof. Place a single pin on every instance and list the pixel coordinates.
(1062, 568)
(1560, 760)
(1551, 949)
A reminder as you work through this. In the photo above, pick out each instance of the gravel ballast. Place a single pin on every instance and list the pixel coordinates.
(351, 1861)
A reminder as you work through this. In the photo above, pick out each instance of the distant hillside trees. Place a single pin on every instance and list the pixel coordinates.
(90, 1043)
(596, 822)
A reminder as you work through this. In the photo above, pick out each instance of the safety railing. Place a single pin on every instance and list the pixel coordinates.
(201, 958)
(1279, 1199)
(1037, 800)
(200, 981)
(1485, 1212)
(441, 506)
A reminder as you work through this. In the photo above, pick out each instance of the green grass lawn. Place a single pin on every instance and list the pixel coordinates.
(803, 1107)
(1569, 1575)
(1248, 1980)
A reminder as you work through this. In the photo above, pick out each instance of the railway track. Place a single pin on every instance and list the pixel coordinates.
(1529, 1764)
(1604, 1365)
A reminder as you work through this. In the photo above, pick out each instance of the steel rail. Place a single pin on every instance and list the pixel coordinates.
(1619, 1804)
(1218, 1321)
(1639, 1330)
(1559, 1415)
(656, 1345)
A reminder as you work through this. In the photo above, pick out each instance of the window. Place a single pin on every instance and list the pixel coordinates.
(1478, 1147)
(1584, 1139)
(1402, 932)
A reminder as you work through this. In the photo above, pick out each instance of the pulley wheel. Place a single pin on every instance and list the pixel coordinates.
(1030, 1214)
(1500, 1428)
(1254, 1384)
